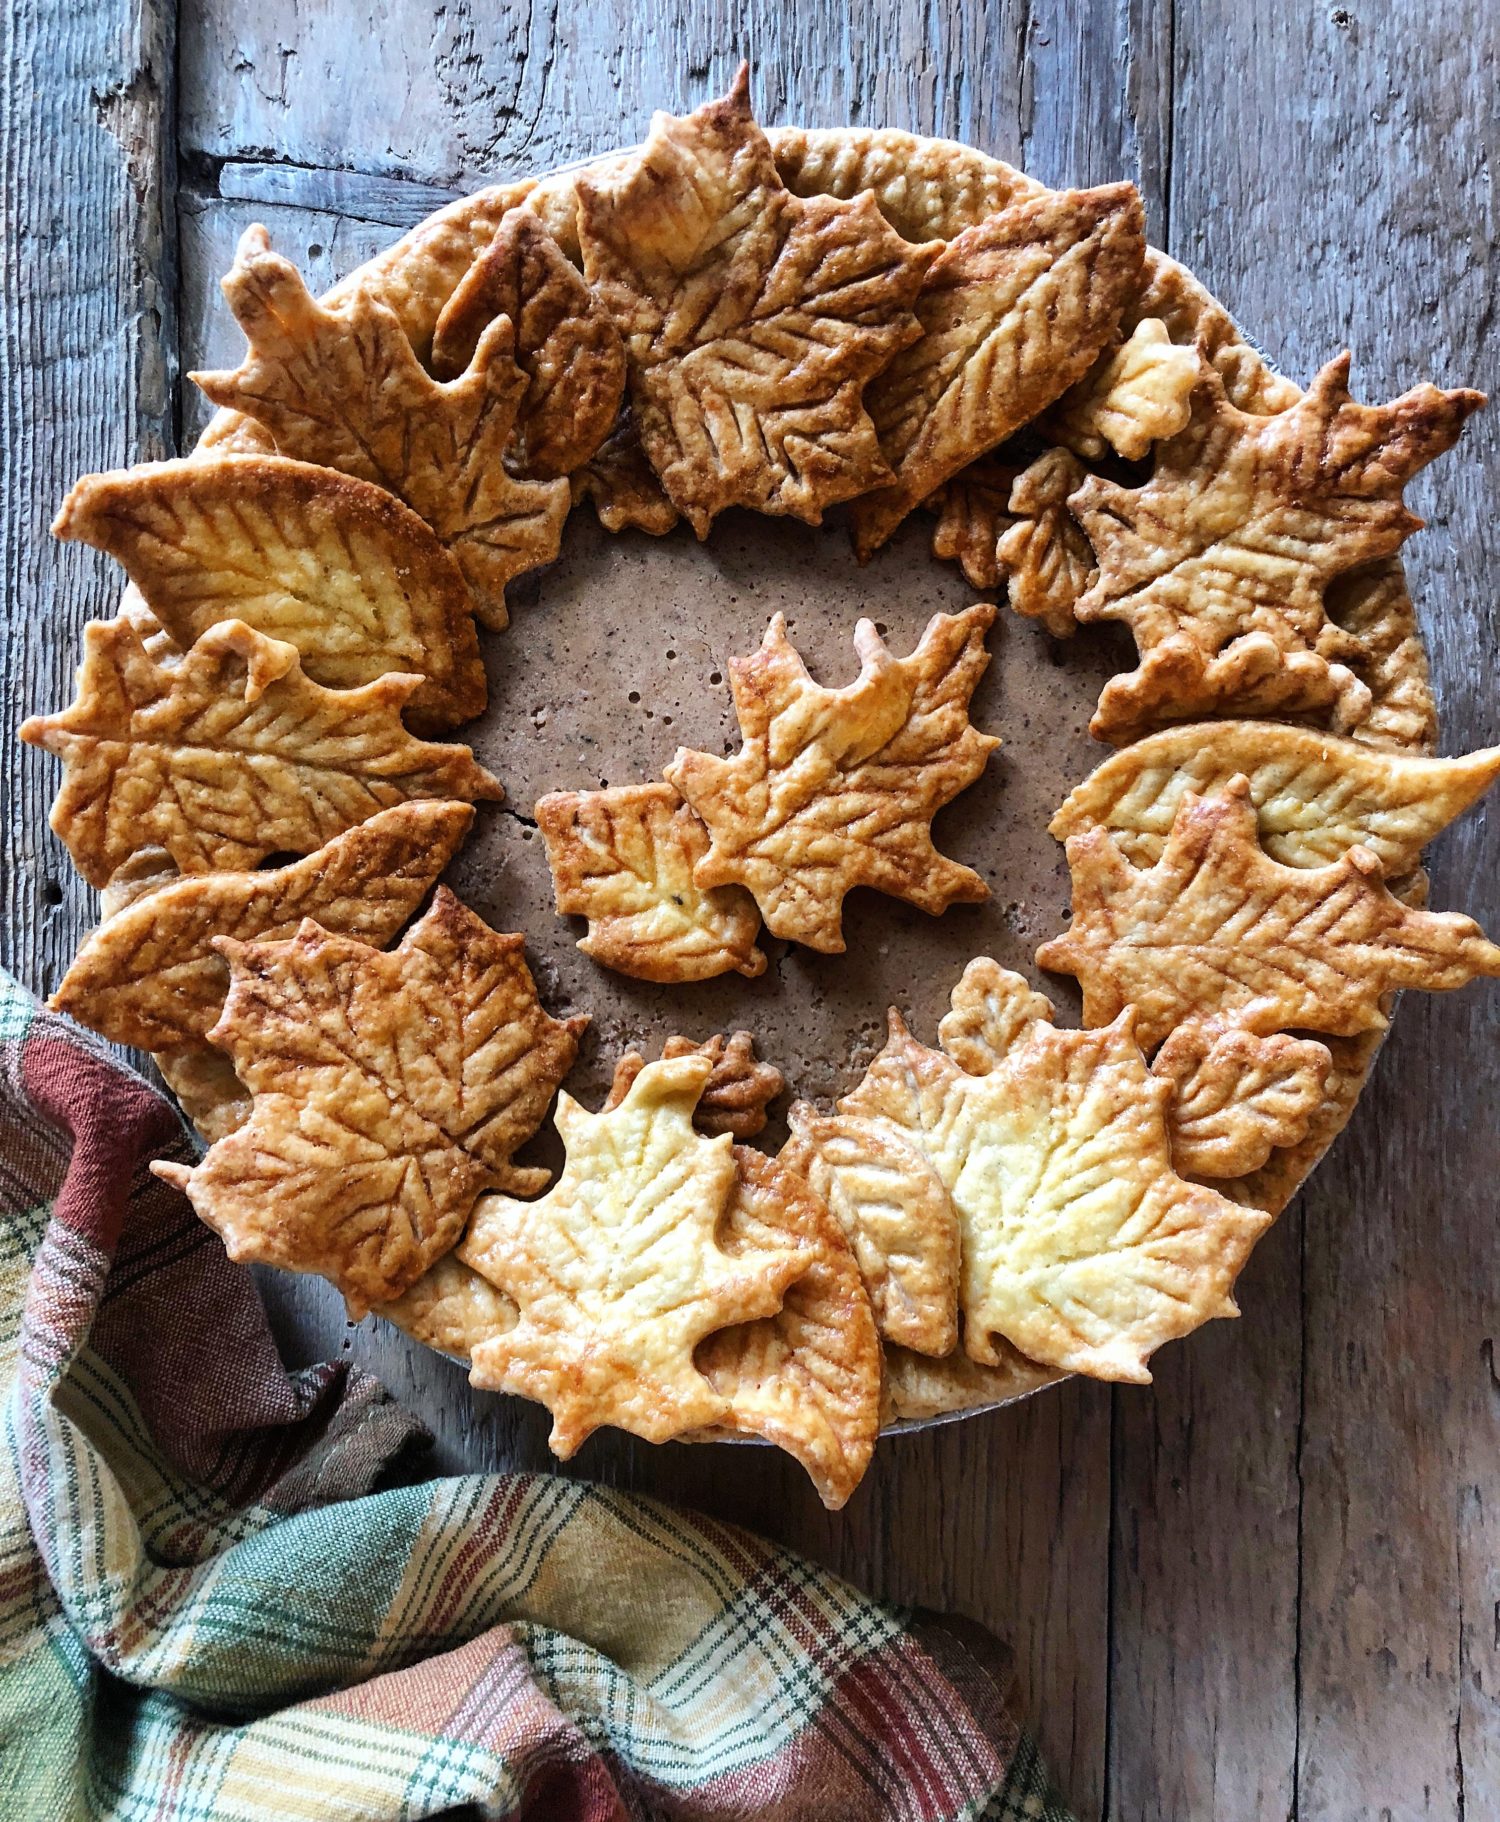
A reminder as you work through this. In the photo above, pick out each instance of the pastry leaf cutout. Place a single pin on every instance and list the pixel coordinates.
(834, 789)
(624, 859)
(1139, 393)
(332, 565)
(1082, 1247)
(564, 343)
(752, 318)
(1237, 1095)
(621, 1269)
(230, 754)
(1217, 926)
(1315, 796)
(1218, 564)
(738, 1090)
(390, 1090)
(151, 975)
(1013, 311)
(342, 387)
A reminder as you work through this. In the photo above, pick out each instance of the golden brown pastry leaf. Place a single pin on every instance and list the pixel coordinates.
(1044, 553)
(973, 514)
(1238, 1095)
(390, 1088)
(1217, 926)
(1315, 796)
(150, 975)
(1082, 1247)
(450, 1308)
(1013, 311)
(897, 1215)
(622, 484)
(342, 387)
(624, 859)
(334, 566)
(230, 753)
(565, 344)
(834, 789)
(738, 1091)
(807, 1378)
(752, 318)
(621, 1270)
(1218, 564)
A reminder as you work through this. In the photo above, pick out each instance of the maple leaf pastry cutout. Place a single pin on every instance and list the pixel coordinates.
(624, 858)
(1043, 553)
(973, 514)
(752, 318)
(1138, 394)
(1315, 796)
(1217, 927)
(1081, 1245)
(564, 342)
(1013, 311)
(835, 789)
(342, 387)
(230, 753)
(1219, 563)
(622, 484)
(621, 1269)
(808, 1378)
(739, 1087)
(391, 1089)
(334, 566)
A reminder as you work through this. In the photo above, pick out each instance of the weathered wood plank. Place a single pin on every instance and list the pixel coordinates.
(1328, 182)
(86, 361)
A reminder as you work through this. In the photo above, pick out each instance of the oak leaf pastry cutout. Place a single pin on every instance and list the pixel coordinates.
(150, 975)
(1138, 394)
(624, 858)
(622, 484)
(230, 753)
(621, 1270)
(1082, 1247)
(973, 514)
(752, 318)
(1219, 563)
(1238, 1095)
(331, 564)
(391, 1089)
(1043, 552)
(342, 387)
(564, 342)
(897, 1216)
(739, 1088)
(1315, 796)
(835, 789)
(1217, 926)
(1013, 311)
(807, 1378)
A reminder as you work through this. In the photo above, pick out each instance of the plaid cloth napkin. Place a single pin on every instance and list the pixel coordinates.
(208, 1610)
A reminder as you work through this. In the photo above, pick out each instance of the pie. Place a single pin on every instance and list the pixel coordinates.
(1132, 994)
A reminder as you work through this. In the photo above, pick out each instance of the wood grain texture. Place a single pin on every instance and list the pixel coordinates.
(85, 377)
(1268, 1585)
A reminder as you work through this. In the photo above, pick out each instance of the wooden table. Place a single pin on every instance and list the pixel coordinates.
(1270, 1584)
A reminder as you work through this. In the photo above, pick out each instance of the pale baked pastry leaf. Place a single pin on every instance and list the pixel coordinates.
(620, 1270)
(1043, 553)
(835, 789)
(752, 318)
(1315, 796)
(807, 1378)
(343, 387)
(331, 564)
(390, 1088)
(1137, 394)
(624, 858)
(230, 753)
(1081, 1245)
(897, 1215)
(1217, 926)
(1013, 311)
(1218, 564)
